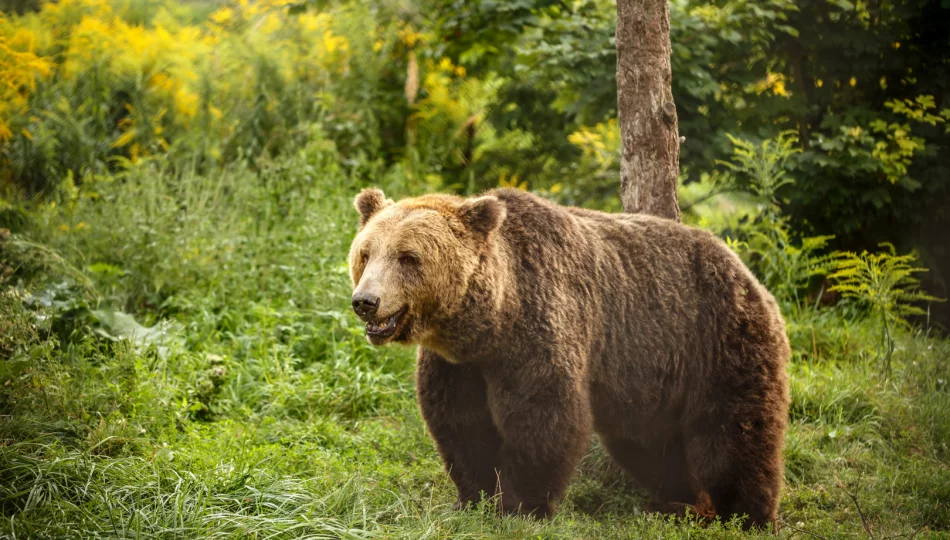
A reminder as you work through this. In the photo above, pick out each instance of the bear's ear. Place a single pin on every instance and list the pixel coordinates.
(369, 202)
(482, 214)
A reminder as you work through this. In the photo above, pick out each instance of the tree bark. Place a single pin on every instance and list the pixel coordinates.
(649, 133)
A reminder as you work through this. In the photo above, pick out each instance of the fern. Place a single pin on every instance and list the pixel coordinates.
(763, 166)
(884, 282)
(767, 245)
(785, 268)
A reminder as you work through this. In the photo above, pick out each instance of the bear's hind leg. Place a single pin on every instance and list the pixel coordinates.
(740, 467)
(661, 470)
(454, 406)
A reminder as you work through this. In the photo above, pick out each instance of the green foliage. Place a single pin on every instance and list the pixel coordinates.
(267, 413)
(152, 240)
(763, 169)
(788, 269)
(885, 282)
(457, 95)
(785, 262)
(863, 99)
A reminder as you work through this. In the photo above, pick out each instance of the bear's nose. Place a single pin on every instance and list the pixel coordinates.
(365, 304)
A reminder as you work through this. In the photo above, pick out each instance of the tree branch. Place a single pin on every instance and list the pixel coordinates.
(864, 520)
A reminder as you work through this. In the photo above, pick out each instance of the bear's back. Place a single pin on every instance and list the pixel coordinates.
(644, 295)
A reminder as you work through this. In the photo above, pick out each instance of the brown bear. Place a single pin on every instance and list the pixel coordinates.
(538, 324)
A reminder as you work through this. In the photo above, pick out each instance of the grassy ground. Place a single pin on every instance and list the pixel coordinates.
(242, 401)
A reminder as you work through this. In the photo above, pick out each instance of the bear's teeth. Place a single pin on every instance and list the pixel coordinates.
(384, 325)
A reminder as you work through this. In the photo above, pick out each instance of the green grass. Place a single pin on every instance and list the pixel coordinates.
(242, 401)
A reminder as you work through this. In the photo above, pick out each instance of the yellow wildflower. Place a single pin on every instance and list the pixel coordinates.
(223, 16)
(332, 43)
(513, 182)
(774, 82)
(186, 103)
(779, 89)
(161, 81)
(20, 68)
(124, 139)
(312, 24)
(271, 24)
(5, 132)
(408, 36)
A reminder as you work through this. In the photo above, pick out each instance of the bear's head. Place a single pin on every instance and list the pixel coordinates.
(412, 261)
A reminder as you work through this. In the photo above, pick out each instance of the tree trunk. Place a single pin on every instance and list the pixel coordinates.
(649, 164)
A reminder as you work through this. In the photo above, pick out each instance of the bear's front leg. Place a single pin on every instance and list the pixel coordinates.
(545, 421)
(455, 408)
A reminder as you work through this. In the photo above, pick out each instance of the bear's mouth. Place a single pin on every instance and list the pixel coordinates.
(386, 327)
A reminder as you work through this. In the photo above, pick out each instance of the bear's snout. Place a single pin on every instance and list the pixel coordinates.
(365, 305)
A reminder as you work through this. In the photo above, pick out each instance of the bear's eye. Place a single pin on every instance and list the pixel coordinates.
(364, 257)
(408, 259)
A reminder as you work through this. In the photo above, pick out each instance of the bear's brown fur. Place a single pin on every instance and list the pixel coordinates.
(538, 324)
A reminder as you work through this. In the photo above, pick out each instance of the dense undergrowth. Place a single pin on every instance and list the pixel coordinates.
(242, 400)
